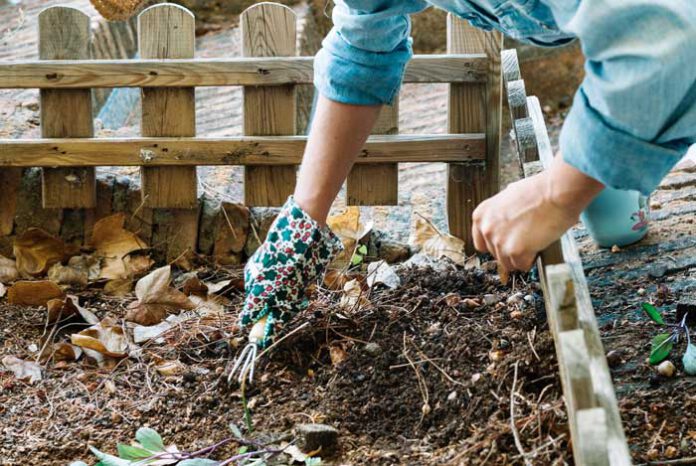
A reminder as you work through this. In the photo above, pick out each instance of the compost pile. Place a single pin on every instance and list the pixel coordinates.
(413, 363)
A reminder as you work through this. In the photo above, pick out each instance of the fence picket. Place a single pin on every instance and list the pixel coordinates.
(64, 33)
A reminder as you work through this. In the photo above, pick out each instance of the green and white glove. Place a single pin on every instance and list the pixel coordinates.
(295, 254)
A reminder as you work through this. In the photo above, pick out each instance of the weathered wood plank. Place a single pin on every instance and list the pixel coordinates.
(591, 447)
(473, 108)
(247, 71)
(377, 184)
(168, 31)
(269, 29)
(10, 181)
(245, 150)
(64, 33)
(602, 386)
(526, 140)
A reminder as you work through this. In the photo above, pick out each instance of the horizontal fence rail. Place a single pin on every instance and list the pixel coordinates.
(245, 150)
(67, 74)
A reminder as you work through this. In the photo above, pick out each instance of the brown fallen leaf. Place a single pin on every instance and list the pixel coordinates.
(137, 264)
(350, 229)
(33, 293)
(156, 298)
(120, 287)
(66, 352)
(194, 286)
(28, 371)
(79, 271)
(8, 270)
(436, 244)
(37, 250)
(105, 338)
(61, 308)
(338, 355)
(147, 314)
(113, 243)
(353, 295)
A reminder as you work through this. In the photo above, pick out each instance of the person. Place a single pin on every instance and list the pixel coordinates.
(632, 119)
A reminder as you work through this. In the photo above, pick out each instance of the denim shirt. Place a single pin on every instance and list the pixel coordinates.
(633, 117)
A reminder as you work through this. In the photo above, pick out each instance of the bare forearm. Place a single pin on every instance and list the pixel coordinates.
(338, 133)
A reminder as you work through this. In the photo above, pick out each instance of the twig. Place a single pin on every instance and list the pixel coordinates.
(679, 461)
(513, 427)
(421, 384)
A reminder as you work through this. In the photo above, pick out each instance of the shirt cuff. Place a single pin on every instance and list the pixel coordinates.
(350, 75)
(613, 157)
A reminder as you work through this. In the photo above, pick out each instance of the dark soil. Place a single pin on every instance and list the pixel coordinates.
(449, 405)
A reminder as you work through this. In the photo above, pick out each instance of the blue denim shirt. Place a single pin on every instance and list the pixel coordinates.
(634, 115)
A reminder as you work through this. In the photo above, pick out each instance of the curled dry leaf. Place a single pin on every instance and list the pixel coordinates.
(60, 308)
(381, 272)
(436, 244)
(349, 228)
(147, 314)
(36, 251)
(28, 371)
(8, 270)
(33, 293)
(113, 243)
(170, 368)
(79, 271)
(105, 338)
(66, 352)
(353, 295)
(336, 279)
(194, 286)
(120, 287)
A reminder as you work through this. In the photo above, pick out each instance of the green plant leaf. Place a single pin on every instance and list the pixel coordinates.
(109, 460)
(242, 450)
(198, 462)
(132, 452)
(653, 313)
(235, 430)
(362, 249)
(661, 346)
(150, 439)
(689, 359)
(356, 259)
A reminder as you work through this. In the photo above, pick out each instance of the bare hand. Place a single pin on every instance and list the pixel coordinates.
(526, 217)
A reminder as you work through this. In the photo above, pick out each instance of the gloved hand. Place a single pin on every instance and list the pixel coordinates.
(295, 254)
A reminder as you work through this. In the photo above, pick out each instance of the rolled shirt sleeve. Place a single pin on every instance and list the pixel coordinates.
(362, 59)
(634, 116)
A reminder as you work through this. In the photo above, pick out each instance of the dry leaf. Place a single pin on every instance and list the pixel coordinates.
(154, 288)
(217, 287)
(147, 314)
(23, 370)
(8, 270)
(194, 286)
(105, 338)
(33, 293)
(338, 355)
(112, 242)
(381, 272)
(436, 244)
(209, 304)
(137, 264)
(66, 352)
(36, 251)
(473, 262)
(120, 287)
(79, 271)
(353, 295)
(59, 309)
(170, 368)
(336, 279)
(348, 227)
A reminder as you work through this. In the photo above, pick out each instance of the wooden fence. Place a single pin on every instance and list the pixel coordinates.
(269, 71)
(597, 434)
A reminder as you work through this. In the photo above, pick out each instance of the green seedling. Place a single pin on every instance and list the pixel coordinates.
(359, 255)
(664, 342)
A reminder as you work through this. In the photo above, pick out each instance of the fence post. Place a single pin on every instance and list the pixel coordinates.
(269, 30)
(168, 31)
(377, 184)
(64, 33)
(473, 108)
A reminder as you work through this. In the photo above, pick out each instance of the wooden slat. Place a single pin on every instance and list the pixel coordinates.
(526, 140)
(473, 108)
(561, 294)
(168, 31)
(614, 441)
(377, 184)
(247, 71)
(64, 34)
(269, 29)
(246, 150)
(510, 65)
(592, 433)
(10, 180)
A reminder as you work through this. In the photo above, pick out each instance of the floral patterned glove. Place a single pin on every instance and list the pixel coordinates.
(296, 252)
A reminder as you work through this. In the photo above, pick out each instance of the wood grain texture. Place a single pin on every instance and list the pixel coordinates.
(602, 385)
(592, 434)
(526, 140)
(246, 150)
(10, 180)
(167, 31)
(64, 33)
(510, 65)
(473, 108)
(244, 71)
(269, 30)
(377, 184)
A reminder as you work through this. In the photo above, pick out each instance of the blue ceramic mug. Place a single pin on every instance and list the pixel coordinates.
(617, 217)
